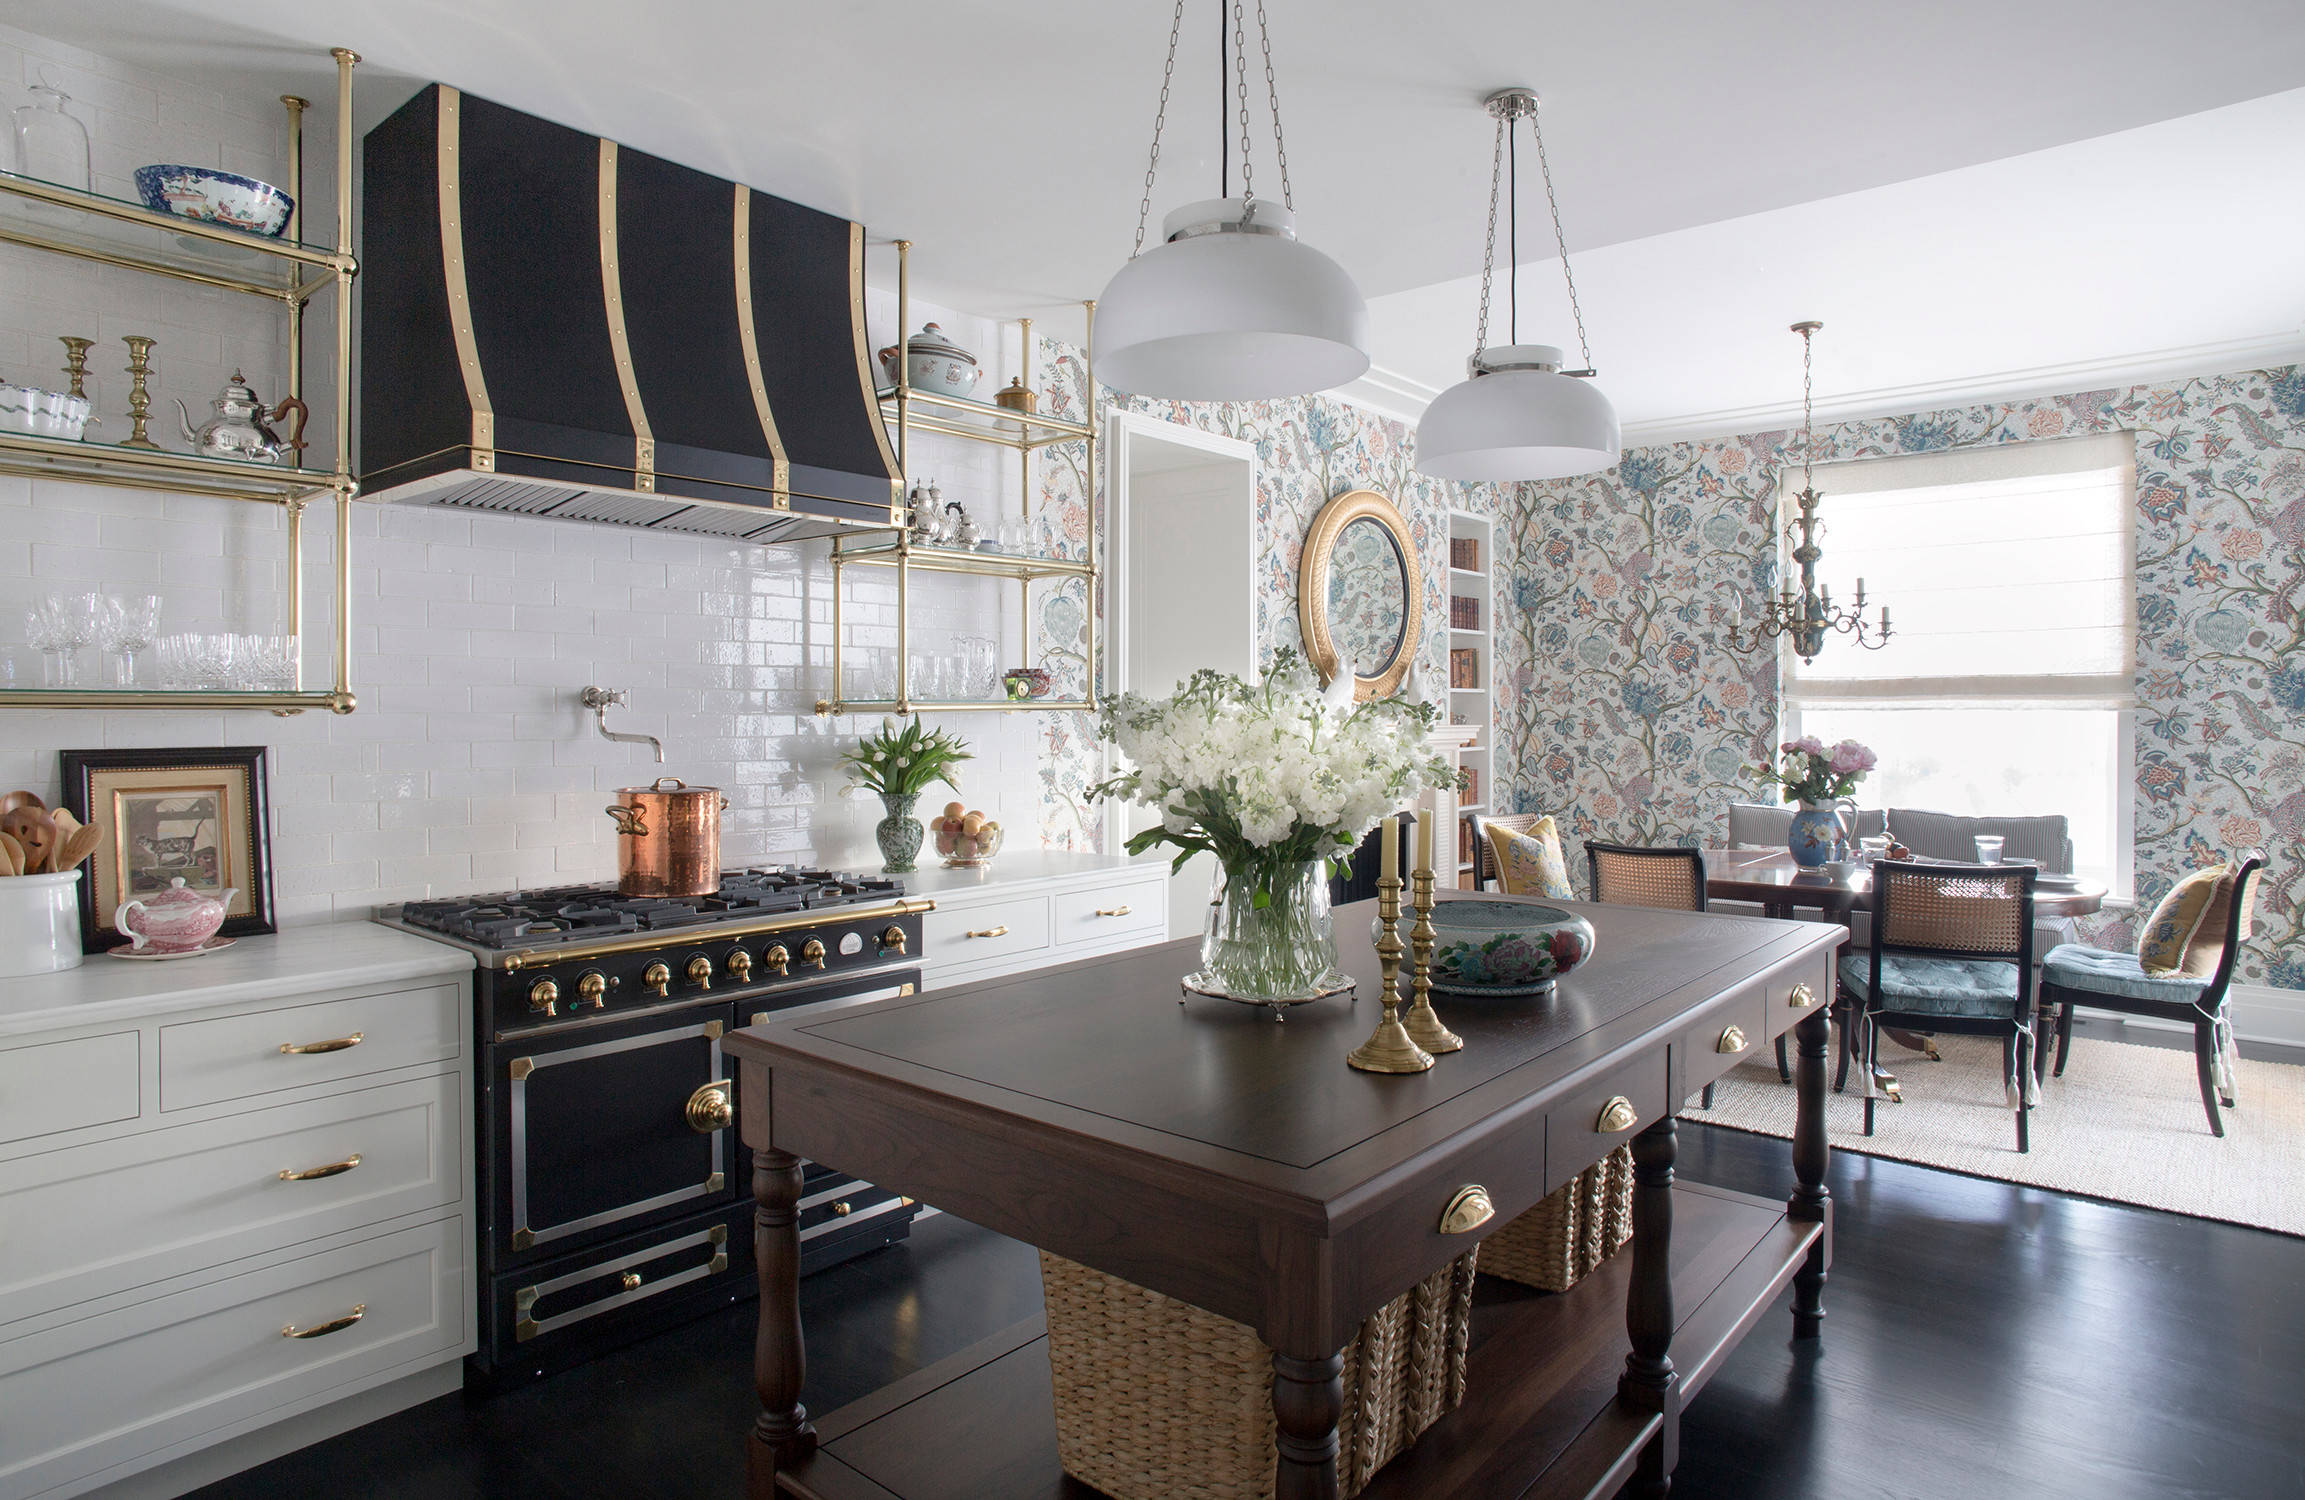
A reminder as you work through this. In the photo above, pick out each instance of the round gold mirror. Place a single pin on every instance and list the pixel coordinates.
(1360, 593)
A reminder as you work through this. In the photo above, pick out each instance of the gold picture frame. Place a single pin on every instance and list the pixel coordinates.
(199, 816)
(1345, 550)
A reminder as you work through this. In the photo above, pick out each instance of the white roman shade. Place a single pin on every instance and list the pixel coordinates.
(2009, 573)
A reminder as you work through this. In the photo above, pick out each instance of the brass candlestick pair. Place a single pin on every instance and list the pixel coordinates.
(1399, 1046)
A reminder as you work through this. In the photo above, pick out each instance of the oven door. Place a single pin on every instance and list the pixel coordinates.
(609, 1128)
(788, 1002)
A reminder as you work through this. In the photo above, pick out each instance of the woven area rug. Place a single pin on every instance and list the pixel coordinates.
(2124, 1123)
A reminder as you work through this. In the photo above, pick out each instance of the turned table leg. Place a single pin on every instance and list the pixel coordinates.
(1810, 1200)
(779, 1364)
(1649, 1381)
(1308, 1398)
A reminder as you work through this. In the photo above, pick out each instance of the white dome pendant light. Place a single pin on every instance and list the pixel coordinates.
(1518, 415)
(1230, 306)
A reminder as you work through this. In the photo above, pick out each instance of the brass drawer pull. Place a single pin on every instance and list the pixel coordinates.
(307, 1049)
(630, 1281)
(842, 1209)
(322, 1330)
(1115, 911)
(314, 1174)
(1468, 1210)
(1732, 1040)
(1000, 931)
(1617, 1116)
(710, 1109)
(1802, 997)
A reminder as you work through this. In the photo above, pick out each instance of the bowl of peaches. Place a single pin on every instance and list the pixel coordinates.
(966, 839)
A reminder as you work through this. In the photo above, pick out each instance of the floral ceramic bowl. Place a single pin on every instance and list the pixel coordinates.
(215, 197)
(1507, 948)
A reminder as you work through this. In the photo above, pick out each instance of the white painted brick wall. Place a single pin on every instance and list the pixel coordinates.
(469, 765)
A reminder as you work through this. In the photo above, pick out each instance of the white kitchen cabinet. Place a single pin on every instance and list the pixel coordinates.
(1033, 908)
(196, 1168)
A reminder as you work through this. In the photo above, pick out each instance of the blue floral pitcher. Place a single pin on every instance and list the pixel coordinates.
(1816, 829)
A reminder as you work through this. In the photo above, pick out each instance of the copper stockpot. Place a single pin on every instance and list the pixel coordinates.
(667, 838)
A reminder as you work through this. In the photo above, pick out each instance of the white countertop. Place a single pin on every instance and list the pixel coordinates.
(1016, 869)
(301, 959)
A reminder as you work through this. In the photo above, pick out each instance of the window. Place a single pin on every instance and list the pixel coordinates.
(2006, 689)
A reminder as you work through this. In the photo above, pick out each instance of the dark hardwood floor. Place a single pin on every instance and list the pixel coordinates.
(1982, 1340)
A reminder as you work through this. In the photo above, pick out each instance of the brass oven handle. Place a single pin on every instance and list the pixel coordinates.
(628, 820)
(893, 938)
(1617, 1116)
(1468, 1210)
(1116, 911)
(1732, 1040)
(314, 1174)
(322, 1330)
(307, 1049)
(1000, 931)
(1802, 997)
(709, 1108)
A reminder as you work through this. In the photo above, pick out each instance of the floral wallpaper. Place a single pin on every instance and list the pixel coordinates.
(1309, 450)
(1623, 711)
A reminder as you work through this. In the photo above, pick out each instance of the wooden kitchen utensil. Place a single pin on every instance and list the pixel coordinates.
(10, 801)
(32, 828)
(11, 856)
(73, 849)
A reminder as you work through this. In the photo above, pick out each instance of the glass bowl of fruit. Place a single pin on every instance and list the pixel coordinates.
(966, 839)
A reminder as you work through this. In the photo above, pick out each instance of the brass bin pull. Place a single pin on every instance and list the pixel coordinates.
(1115, 911)
(307, 1049)
(1802, 997)
(709, 1108)
(322, 1330)
(1468, 1210)
(1000, 931)
(1617, 1116)
(314, 1174)
(1732, 1040)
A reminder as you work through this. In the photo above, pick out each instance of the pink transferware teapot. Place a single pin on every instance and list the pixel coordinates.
(177, 920)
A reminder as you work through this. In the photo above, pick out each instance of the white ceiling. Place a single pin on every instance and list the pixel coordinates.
(1727, 155)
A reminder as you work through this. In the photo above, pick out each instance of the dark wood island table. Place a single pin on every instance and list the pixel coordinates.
(1239, 1165)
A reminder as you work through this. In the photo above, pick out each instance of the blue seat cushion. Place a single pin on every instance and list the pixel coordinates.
(1974, 987)
(2106, 971)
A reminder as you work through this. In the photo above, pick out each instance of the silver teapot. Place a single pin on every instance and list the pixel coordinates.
(242, 427)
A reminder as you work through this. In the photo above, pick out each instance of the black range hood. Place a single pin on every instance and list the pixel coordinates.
(555, 325)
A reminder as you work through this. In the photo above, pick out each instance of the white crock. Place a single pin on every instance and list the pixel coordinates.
(39, 923)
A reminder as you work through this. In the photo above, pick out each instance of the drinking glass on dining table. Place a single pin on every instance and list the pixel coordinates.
(1989, 848)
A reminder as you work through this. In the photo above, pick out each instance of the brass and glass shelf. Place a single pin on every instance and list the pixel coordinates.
(909, 411)
(291, 270)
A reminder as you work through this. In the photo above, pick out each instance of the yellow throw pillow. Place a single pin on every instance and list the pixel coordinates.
(2166, 943)
(1530, 864)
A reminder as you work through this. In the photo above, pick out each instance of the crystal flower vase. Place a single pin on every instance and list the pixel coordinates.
(1281, 947)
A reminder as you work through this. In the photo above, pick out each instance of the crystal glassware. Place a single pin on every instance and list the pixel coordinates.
(51, 145)
(77, 617)
(1988, 848)
(42, 631)
(128, 627)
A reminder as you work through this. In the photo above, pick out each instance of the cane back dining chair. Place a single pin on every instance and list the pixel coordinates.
(1952, 953)
(2116, 981)
(1671, 879)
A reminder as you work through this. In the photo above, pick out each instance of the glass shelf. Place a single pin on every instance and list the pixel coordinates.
(157, 468)
(279, 702)
(981, 421)
(888, 549)
(117, 232)
(953, 705)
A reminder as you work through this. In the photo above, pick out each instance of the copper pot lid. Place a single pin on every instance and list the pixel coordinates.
(667, 786)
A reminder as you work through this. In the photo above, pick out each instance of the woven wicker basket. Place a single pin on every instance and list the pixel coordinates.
(1571, 1230)
(1156, 1400)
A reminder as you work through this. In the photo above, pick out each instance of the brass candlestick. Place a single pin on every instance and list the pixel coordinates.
(139, 399)
(1423, 1026)
(1388, 1049)
(76, 362)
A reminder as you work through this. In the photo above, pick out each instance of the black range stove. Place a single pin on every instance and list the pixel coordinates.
(614, 1193)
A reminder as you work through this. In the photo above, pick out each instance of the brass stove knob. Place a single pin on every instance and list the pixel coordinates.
(658, 978)
(778, 960)
(591, 991)
(544, 997)
(700, 972)
(892, 940)
(812, 952)
(740, 964)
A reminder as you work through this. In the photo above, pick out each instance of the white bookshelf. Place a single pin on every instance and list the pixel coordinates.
(1473, 706)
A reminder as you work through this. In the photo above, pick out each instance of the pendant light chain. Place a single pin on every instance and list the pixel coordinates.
(1561, 239)
(1241, 89)
(1808, 412)
(1273, 98)
(1160, 118)
(1489, 256)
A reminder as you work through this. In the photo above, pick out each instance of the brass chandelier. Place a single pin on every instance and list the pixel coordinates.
(1808, 619)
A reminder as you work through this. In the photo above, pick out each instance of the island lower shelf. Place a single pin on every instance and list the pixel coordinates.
(1540, 1416)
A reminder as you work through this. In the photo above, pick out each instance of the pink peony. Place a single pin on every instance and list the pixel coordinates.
(1848, 758)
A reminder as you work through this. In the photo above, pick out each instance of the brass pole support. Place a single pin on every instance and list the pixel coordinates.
(1423, 1026)
(1388, 1049)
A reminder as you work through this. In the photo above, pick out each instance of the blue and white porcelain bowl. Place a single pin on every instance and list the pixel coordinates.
(215, 197)
(1506, 948)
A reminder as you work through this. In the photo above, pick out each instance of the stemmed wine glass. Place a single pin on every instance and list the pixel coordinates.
(41, 631)
(72, 624)
(127, 627)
